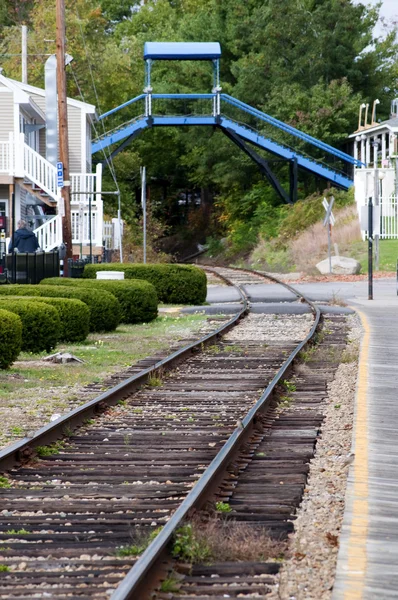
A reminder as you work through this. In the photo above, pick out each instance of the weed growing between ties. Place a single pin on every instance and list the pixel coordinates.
(170, 585)
(140, 542)
(55, 448)
(4, 482)
(219, 540)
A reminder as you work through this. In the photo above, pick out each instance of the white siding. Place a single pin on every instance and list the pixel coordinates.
(6, 115)
(76, 135)
(75, 140)
(39, 100)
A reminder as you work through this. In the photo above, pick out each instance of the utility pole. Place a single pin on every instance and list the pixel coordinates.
(64, 208)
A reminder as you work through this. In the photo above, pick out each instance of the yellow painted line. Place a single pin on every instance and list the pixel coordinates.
(356, 555)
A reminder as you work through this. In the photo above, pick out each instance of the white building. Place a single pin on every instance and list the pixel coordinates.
(25, 170)
(376, 146)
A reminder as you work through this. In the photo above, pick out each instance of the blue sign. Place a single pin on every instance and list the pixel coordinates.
(60, 174)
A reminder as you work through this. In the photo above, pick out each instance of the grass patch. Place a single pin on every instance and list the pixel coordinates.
(154, 381)
(4, 569)
(169, 585)
(223, 541)
(42, 389)
(289, 385)
(140, 542)
(4, 482)
(17, 532)
(102, 353)
(223, 507)
(55, 448)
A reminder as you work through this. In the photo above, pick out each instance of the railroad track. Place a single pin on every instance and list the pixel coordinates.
(76, 513)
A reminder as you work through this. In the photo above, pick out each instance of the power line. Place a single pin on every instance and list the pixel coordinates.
(109, 164)
(108, 159)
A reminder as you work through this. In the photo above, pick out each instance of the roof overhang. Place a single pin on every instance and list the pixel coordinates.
(380, 127)
(182, 50)
(23, 99)
(31, 89)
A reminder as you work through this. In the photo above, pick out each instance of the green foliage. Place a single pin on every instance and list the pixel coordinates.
(188, 547)
(4, 569)
(54, 448)
(74, 316)
(308, 63)
(10, 338)
(17, 531)
(137, 299)
(169, 585)
(140, 545)
(104, 307)
(307, 212)
(223, 507)
(40, 323)
(4, 482)
(175, 284)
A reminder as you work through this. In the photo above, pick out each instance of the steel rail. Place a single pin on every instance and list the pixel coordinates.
(24, 449)
(136, 584)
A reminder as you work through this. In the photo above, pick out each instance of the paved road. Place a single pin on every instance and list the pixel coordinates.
(384, 290)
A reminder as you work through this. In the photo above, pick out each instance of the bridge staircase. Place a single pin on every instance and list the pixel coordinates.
(245, 125)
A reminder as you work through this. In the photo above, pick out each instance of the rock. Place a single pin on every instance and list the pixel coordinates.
(341, 265)
(63, 357)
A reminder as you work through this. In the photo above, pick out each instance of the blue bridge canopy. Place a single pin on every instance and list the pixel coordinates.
(182, 50)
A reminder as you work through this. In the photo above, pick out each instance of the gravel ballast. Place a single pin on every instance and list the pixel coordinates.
(308, 574)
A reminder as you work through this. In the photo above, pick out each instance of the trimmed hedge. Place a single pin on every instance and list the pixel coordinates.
(40, 323)
(10, 338)
(138, 299)
(175, 284)
(104, 308)
(74, 316)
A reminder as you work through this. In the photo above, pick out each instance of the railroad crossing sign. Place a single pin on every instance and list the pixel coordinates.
(329, 218)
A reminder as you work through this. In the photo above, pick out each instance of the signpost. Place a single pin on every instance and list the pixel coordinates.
(370, 222)
(328, 221)
(143, 204)
(370, 249)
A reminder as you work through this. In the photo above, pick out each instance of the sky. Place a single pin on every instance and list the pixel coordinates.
(388, 10)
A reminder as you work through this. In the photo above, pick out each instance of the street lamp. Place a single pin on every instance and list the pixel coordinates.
(360, 116)
(366, 115)
(377, 101)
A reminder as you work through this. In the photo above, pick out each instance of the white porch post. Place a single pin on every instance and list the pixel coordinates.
(367, 150)
(100, 205)
(363, 155)
(383, 147)
(356, 149)
(375, 149)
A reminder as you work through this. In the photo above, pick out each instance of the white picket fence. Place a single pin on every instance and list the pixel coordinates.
(388, 218)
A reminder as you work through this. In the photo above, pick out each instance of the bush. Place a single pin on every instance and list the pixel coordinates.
(40, 323)
(74, 316)
(10, 338)
(175, 284)
(138, 299)
(104, 307)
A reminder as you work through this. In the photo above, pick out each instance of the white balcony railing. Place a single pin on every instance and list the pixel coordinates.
(5, 157)
(49, 235)
(38, 170)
